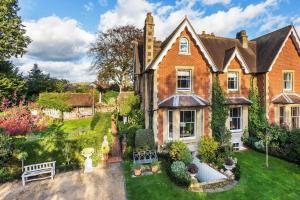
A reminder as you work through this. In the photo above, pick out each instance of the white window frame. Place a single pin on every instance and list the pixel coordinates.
(237, 81)
(185, 40)
(190, 81)
(195, 122)
(170, 138)
(282, 116)
(291, 81)
(295, 116)
(241, 119)
(237, 147)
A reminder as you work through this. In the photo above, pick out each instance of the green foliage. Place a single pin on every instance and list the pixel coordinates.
(207, 149)
(55, 101)
(126, 104)
(219, 111)
(6, 147)
(180, 173)
(13, 40)
(144, 139)
(256, 115)
(38, 82)
(95, 120)
(179, 151)
(11, 83)
(136, 118)
(237, 171)
(107, 96)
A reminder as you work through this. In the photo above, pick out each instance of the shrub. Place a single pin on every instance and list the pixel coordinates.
(179, 151)
(6, 147)
(237, 172)
(207, 149)
(192, 168)
(180, 174)
(110, 96)
(144, 139)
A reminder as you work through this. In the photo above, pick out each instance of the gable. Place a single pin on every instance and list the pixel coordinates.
(236, 58)
(185, 24)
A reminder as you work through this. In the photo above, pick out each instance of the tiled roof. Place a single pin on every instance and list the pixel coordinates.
(268, 46)
(285, 98)
(238, 101)
(180, 101)
(80, 99)
(221, 50)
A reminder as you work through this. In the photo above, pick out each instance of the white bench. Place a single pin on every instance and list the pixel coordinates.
(38, 169)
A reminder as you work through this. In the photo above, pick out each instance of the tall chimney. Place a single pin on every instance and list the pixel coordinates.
(243, 38)
(148, 39)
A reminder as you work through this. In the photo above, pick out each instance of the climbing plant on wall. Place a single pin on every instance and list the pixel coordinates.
(219, 114)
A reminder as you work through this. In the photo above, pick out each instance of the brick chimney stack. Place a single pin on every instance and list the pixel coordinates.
(243, 38)
(148, 39)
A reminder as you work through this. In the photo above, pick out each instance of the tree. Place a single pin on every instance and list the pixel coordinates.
(12, 33)
(12, 84)
(113, 56)
(55, 101)
(219, 114)
(38, 82)
(266, 136)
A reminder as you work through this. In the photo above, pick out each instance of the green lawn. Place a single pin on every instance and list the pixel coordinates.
(281, 181)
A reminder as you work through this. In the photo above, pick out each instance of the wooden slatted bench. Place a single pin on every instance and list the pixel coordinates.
(38, 169)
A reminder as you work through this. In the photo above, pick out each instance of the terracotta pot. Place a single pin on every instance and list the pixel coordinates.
(154, 168)
(137, 172)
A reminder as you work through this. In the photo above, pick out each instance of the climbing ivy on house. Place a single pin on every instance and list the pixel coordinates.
(219, 114)
(257, 120)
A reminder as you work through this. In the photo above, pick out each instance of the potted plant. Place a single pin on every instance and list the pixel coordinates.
(137, 168)
(193, 169)
(155, 166)
(229, 163)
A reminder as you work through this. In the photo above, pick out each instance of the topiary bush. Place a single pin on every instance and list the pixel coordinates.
(207, 149)
(180, 174)
(144, 139)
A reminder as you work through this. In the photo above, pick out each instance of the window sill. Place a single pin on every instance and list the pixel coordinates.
(183, 90)
(232, 90)
(187, 138)
(236, 131)
(184, 54)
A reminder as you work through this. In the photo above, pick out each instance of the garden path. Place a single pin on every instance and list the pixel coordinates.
(103, 184)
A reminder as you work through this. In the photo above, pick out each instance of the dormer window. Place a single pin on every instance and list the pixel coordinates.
(288, 81)
(184, 46)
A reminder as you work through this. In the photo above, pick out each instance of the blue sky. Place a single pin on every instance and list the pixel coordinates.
(62, 30)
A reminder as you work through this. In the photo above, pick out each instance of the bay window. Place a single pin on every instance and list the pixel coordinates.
(170, 125)
(235, 118)
(295, 115)
(187, 123)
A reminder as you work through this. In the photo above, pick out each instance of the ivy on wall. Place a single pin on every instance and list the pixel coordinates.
(219, 114)
(257, 121)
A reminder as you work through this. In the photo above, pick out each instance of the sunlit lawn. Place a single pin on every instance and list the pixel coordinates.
(281, 181)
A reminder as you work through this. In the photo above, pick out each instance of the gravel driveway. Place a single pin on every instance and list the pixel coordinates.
(103, 183)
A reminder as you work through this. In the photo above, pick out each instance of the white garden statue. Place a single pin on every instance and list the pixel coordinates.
(88, 163)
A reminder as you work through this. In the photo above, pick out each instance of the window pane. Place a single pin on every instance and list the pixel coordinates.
(235, 118)
(170, 120)
(295, 112)
(233, 80)
(282, 116)
(183, 47)
(187, 123)
(184, 79)
(288, 80)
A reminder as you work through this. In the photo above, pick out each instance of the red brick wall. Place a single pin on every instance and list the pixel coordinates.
(244, 80)
(288, 59)
(166, 74)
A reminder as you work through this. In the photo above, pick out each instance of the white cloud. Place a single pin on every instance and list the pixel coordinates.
(59, 47)
(167, 17)
(273, 22)
(211, 2)
(89, 6)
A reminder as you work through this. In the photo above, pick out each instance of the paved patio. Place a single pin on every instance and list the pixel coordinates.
(103, 183)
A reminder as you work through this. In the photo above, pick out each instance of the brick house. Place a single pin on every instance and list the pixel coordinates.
(174, 79)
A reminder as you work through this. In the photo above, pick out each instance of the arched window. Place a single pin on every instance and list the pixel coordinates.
(184, 45)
